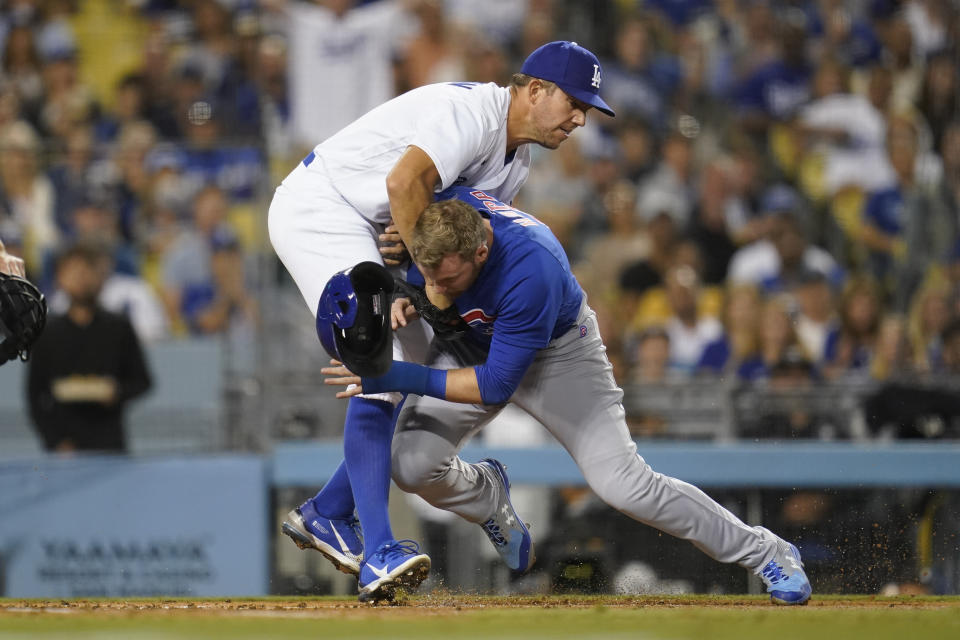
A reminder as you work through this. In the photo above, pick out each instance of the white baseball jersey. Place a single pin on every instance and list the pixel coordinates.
(461, 126)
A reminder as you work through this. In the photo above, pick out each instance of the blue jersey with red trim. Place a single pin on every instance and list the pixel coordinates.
(526, 289)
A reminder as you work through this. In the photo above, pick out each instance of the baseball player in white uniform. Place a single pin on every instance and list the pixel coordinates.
(334, 207)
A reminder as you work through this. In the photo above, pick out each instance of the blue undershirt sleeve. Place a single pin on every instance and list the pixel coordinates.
(500, 375)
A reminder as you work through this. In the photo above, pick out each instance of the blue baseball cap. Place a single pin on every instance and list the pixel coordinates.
(572, 68)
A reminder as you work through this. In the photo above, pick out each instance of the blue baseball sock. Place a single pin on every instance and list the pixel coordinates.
(335, 500)
(367, 436)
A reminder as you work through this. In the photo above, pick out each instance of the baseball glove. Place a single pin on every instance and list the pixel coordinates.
(23, 314)
(447, 323)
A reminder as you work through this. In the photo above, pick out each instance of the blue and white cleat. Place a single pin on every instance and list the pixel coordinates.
(505, 529)
(338, 539)
(786, 582)
(395, 564)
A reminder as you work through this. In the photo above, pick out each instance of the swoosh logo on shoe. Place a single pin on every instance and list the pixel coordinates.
(380, 573)
(343, 545)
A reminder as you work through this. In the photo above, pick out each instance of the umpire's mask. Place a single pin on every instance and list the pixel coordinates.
(353, 319)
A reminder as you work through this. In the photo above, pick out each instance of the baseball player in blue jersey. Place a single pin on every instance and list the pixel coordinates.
(534, 341)
(330, 212)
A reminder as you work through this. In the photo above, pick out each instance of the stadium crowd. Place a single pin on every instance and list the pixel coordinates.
(777, 201)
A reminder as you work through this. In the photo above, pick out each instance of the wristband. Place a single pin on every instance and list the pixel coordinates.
(407, 377)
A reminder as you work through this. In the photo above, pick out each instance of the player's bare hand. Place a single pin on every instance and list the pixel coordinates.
(392, 249)
(11, 265)
(402, 312)
(339, 375)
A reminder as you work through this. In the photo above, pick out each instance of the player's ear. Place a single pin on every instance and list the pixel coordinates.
(535, 90)
(482, 252)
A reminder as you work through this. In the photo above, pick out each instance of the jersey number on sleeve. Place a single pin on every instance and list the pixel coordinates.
(497, 207)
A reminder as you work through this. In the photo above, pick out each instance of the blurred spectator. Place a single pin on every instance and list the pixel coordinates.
(906, 227)
(500, 22)
(737, 350)
(905, 62)
(672, 178)
(26, 194)
(640, 80)
(624, 240)
(745, 220)
(914, 408)
(21, 70)
(557, 189)
(709, 227)
(129, 105)
(129, 183)
(779, 342)
(776, 263)
(930, 24)
(71, 176)
(689, 330)
(664, 217)
(816, 314)
(892, 356)
(203, 291)
(650, 356)
(940, 95)
(66, 102)
(225, 305)
(433, 54)
(271, 79)
(485, 60)
(86, 367)
(929, 316)
(785, 411)
(636, 146)
(340, 59)
(848, 130)
(843, 34)
(208, 157)
(125, 294)
(775, 91)
(850, 347)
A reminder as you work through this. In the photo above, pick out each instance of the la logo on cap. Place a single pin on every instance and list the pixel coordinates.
(572, 68)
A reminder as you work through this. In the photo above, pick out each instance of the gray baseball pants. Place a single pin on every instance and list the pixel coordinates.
(570, 389)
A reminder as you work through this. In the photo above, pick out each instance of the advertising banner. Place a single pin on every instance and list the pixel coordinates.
(114, 526)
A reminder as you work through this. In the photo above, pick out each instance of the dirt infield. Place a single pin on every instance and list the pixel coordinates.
(446, 602)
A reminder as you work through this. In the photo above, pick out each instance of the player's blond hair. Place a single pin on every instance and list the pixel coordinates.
(444, 228)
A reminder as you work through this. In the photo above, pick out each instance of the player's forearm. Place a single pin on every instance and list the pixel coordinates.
(410, 186)
(455, 385)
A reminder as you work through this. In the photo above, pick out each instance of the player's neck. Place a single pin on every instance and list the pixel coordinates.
(516, 121)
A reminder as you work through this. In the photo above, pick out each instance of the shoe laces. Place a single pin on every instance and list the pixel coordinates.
(773, 572)
(493, 532)
(396, 548)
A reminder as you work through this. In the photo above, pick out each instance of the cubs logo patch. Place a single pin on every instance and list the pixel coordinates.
(583, 331)
(479, 320)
